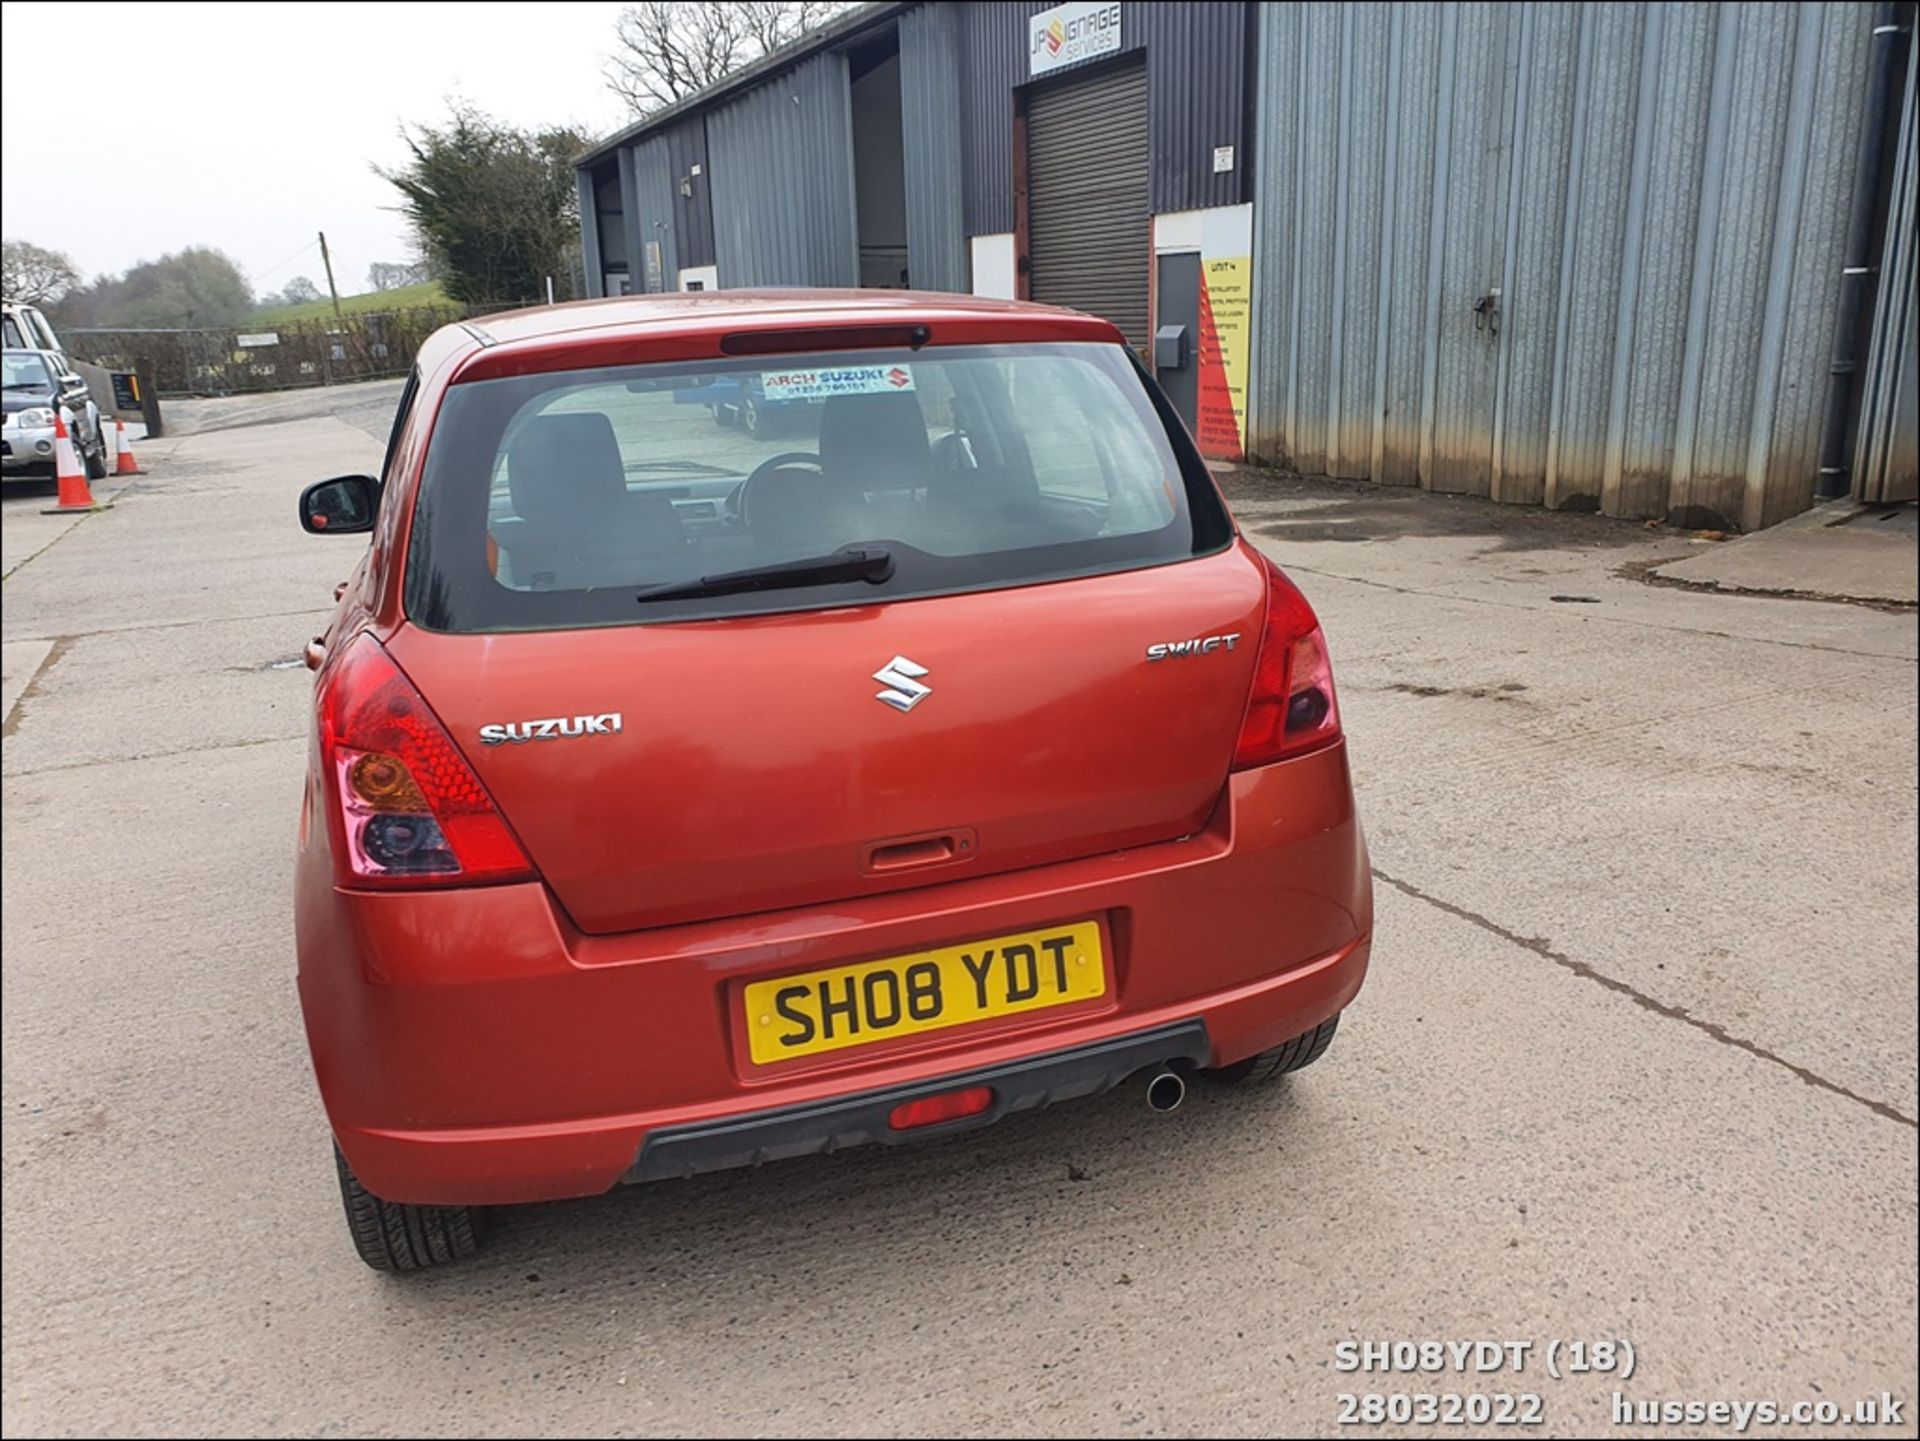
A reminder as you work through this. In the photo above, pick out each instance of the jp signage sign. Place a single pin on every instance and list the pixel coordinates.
(1068, 34)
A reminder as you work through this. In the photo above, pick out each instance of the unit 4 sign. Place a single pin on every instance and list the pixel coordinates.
(1068, 34)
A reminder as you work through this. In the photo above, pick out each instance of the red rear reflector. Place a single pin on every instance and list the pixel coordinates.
(932, 1110)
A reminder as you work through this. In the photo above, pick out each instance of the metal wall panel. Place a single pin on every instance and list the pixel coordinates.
(1196, 73)
(589, 233)
(1196, 76)
(1593, 196)
(1399, 417)
(656, 269)
(1362, 161)
(692, 212)
(1653, 351)
(1886, 462)
(1790, 447)
(930, 138)
(1763, 51)
(780, 162)
(1535, 252)
(631, 242)
(1459, 394)
(1317, 178)
(1657, 193)
(992, 37)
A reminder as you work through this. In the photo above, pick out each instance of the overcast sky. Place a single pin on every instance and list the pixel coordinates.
(252, 126)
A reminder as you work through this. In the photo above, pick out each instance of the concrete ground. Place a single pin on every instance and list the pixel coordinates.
(1842, 551)
(1636, 1059)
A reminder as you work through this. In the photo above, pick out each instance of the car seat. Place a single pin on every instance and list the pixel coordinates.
(575, 524)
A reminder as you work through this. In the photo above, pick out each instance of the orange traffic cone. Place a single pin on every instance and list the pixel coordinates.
(123, 461)
(75, 495)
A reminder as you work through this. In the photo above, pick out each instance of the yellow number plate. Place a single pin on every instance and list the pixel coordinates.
(877, 1000)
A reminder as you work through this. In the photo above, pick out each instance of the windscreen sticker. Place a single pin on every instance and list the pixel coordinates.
(835, 380)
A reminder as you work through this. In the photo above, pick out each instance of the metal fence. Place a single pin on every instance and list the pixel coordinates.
(364, 346)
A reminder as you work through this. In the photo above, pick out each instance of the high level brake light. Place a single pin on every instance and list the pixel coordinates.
(406, 808)
(1293, 709)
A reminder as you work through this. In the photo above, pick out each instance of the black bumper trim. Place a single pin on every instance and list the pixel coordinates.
(861, 1120)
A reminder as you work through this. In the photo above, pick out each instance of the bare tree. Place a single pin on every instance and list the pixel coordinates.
(34, 274)
(300, 290)
(670, 49)
(391, 275)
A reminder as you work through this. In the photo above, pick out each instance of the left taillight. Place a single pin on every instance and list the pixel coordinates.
(404, 807)
(1292, 708)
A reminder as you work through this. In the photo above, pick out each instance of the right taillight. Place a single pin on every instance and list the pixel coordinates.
(405, 808)
(1292, 708)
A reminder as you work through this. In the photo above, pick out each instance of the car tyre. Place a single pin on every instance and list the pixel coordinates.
(1301, 1051)
(95, 460)
(391, 1236)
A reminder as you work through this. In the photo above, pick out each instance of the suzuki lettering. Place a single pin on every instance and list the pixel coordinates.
(555, 728)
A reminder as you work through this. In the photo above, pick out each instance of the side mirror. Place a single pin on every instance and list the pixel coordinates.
(344, 505)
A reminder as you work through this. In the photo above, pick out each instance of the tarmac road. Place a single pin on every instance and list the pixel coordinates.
(1636, 1058)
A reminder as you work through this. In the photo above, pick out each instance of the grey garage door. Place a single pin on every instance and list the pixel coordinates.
(1088, 240)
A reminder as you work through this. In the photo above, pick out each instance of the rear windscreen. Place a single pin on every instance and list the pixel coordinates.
(565, 499)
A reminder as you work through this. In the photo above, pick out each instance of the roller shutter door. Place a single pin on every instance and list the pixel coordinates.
(1089, 242)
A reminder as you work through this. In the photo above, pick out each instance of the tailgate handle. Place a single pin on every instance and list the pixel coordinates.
(914, 852)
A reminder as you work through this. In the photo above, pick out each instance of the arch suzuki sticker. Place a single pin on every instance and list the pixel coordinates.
(835, 380)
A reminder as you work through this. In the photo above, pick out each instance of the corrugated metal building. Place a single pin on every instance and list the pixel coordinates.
(1581, 255)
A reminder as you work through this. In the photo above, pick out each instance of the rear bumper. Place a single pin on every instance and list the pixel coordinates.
(472, 1047)
(863, 1120)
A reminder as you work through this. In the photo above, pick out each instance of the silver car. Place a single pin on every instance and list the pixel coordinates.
(37, 384)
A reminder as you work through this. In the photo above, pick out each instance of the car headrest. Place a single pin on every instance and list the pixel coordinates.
(875, 442)
(565, 470)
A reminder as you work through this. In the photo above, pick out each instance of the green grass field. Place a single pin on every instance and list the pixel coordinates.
(403, 298)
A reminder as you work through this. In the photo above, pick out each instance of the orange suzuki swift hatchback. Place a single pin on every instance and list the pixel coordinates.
(768, 723)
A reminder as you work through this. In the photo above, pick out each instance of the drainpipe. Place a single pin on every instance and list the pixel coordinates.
(1866, 232)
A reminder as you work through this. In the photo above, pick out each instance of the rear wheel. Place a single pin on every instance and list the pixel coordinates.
(391, 1236)
(1302, 1050)
(95, 459)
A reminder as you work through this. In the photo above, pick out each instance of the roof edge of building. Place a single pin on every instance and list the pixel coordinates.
(845, 26)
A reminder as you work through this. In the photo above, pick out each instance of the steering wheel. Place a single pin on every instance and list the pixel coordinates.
(800, 461)
(953, 454)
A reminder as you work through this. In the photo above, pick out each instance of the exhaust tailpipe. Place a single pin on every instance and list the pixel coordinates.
(1165, 1091)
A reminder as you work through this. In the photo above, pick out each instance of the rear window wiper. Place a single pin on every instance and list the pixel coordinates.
(872, 563)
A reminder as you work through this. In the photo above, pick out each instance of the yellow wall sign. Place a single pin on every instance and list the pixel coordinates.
(1226, 303)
